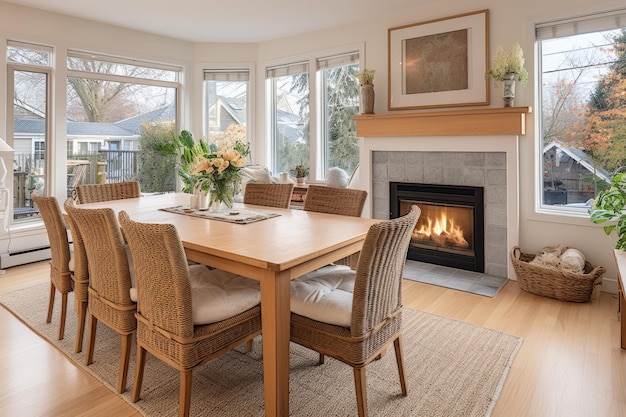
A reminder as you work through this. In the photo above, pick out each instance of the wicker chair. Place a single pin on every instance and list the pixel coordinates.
(80, 276)
(270, 195)
(109, 280)
(333, 200)
(95, 193)
(60, 274)
(165, 313)
(360, 328)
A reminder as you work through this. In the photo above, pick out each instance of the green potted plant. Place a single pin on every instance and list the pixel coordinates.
(299, 172)
(609, 208)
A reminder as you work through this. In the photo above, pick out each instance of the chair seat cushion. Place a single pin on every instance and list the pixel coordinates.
(325, 295)
(217, 295)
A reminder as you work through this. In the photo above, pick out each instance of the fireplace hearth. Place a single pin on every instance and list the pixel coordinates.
(450, 230)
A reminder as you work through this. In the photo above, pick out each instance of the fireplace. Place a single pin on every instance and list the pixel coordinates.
(450, 230)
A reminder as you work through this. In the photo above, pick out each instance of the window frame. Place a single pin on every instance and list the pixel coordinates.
(569, 26)
(317, 137)
(226, 68)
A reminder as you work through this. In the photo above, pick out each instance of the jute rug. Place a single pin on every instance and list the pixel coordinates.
(453, 369)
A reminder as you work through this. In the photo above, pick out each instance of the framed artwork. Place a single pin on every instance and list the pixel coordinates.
(439, 63)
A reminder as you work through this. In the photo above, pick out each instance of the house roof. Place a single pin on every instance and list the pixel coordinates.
(37, 127)
(581, 157)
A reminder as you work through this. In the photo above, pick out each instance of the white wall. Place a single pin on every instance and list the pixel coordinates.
(510, 21)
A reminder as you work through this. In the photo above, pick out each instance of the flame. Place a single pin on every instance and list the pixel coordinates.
(442, 231)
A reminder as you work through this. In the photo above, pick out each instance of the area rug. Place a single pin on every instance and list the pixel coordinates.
(453, 369)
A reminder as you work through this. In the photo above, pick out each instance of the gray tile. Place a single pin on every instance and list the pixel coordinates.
(457, 279)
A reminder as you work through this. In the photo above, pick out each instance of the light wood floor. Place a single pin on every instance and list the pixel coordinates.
(570, 363)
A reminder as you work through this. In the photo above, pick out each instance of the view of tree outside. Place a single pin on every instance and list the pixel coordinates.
(342, 101)
(121, 109)
(583, 114)
(291, 121)
(156, 172)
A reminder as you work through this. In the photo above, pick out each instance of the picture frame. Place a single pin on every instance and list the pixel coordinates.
(439, 63)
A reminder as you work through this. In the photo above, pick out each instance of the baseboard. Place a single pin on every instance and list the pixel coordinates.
(9, 260)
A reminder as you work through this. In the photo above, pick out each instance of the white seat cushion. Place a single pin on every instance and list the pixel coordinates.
(325, 295)
(217, 295)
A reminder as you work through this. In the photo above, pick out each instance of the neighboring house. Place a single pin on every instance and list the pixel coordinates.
(569, 176)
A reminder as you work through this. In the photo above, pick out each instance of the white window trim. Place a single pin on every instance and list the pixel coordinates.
(537, 212)
(314, 118)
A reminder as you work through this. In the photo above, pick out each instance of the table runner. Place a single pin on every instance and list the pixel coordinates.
(235, 215)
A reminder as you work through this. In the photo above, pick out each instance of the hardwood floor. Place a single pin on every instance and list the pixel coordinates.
(570, 363)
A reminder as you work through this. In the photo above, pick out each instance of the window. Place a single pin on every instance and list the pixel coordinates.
(289, 95)
(226, 99)
(583, 108)
(340, 99)
(117, 110)
(311, 103)
(28, 75)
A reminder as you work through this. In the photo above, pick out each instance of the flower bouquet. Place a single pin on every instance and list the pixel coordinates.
(509, 62)
(212, 168)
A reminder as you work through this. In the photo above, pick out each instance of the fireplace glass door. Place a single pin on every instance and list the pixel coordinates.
(443, 227)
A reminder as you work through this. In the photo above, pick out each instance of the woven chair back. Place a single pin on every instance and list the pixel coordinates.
(161, 274)
(79, 255)
(270, 195)
(109, 274)
(334, 200)
(95, 193)
(52, 217)
(377, 288)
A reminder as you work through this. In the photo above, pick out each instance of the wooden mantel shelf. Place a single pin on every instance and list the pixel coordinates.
(488, 121)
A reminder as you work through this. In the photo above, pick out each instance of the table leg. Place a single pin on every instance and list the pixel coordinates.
(275, 315)
(622, 311)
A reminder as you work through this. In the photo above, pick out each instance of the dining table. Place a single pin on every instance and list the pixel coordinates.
(283, 245)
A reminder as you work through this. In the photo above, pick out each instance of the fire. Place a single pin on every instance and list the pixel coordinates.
(441, 231)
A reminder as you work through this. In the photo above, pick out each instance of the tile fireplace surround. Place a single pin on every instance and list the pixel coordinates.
(462, 147)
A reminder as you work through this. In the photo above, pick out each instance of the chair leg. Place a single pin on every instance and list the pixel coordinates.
(398, 348)
(139, 367)
(321, 359)
(124, 360)
(361, 395)
(63, 315)
(93, 323)
(249, 346)
(184, 399)
(50, 303)
(82, 316)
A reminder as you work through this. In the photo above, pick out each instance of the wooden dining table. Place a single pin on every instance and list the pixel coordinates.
(272, 251)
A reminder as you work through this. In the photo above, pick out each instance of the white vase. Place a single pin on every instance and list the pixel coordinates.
(199, 200)
(508, 89)
(367, 99)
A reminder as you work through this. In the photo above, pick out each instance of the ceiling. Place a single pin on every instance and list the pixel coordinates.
(242, 21)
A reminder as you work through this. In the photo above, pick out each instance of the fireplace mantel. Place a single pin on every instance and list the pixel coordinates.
(484, 122)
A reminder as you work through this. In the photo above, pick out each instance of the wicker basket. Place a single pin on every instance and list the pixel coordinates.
(564, 286)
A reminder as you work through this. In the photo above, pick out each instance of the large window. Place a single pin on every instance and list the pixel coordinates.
(226, 97)
(290, 122)
(117, 110)
(583, 108)
(340, 100)
(311, 103)
(29, 68)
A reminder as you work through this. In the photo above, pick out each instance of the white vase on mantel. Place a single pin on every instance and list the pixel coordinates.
(508, 89)
(367, 99)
